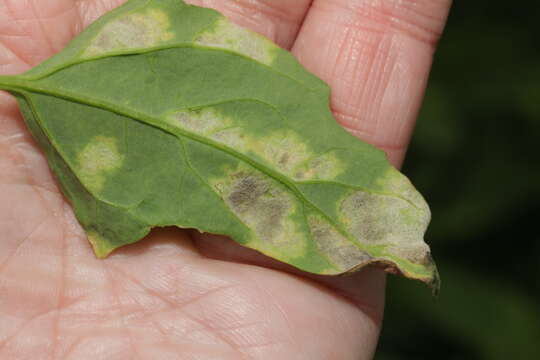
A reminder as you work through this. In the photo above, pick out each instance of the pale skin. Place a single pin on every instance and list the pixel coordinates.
(179, 295)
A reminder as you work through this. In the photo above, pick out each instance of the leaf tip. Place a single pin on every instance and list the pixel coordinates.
(435, 283)
(102, 248)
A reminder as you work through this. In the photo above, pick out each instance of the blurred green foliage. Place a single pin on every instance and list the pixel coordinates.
(475, 158)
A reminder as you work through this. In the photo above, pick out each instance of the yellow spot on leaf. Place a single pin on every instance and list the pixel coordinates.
(132, 31)
(98, 157)
(324, 167)
(396, 183)
(288, 153)
(203, 122)
(227, 35)
(415, 214)
(232, 137)
(283, 150)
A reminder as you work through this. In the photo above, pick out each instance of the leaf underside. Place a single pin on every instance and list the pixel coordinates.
(163, 113)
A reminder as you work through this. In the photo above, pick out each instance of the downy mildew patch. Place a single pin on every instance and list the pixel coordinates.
(136, 30)
(395, 222)
(227, 35)
(99, 157)
(376, 219)
(339, 250)
(396, 183)
(209, 123)
(266, 208)
(290, 155)
(201, 121)
(284, 151)
(323, 167)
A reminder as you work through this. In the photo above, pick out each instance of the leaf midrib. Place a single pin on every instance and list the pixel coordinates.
(138, 51)
(149, 120)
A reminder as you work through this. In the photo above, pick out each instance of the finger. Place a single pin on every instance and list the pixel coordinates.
(376, 56)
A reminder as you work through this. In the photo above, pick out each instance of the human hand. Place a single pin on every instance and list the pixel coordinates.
(180, 295)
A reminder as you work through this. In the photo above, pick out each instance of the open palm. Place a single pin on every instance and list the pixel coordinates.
(177, 295)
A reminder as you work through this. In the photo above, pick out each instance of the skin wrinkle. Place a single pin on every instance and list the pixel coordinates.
(387, 58)
(163, 333)
(25, 325)
(72, 348)
(158, 327)
(211, 331)
(11, 11)
(127, 332)
(386, 146)
(221, 328)
(400, 16)
(214, 331)
(33, 318)
(207, 318)
(12, 140)
(275, 303)
(216, 342)
(165, 299)
(10, 116)
(21, 243)
(33, 27)
(61, 292)
(17, 55)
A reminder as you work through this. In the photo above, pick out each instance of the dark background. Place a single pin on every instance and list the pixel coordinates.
(475, 158)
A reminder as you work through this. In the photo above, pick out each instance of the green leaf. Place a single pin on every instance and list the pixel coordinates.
(162, 113)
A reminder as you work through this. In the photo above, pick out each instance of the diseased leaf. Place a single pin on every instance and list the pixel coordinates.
(162, 113)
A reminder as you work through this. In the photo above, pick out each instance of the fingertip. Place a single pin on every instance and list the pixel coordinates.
(376, 57)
